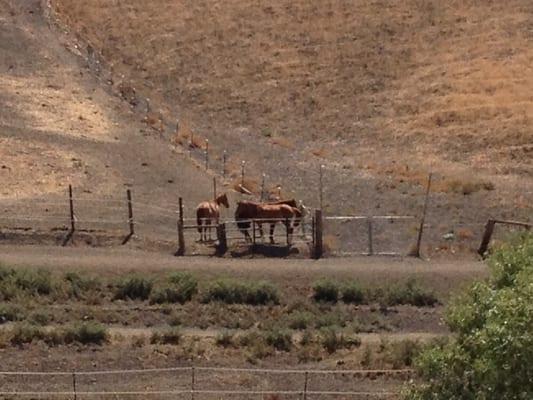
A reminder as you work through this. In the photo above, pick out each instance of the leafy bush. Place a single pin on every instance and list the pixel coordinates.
(133, 288)
(167, 336)
(332, 341)
(79, 284)
(409, 293)
(25, 333)
(38, 282)
(11, 312)
(401, 354)
(180, 289)
(86, 333)
(300, 320)
(326, 290)
(225, 339)
(490, 356)
(352, 293)
(235, 292)
(280, 339)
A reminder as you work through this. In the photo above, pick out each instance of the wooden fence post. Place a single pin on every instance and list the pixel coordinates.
(71, 205)
(222, 240)
(74, 390)
(321, 187)
(489, 229)
(192, 383)
(206, 154)
(306, 380)
(319, 249)
(287, 227)
(416, 252)
(370, 236)
(263, 187)
(70, 234)
(243, 163)
(181, 235)
(130, 218)
(224, 157)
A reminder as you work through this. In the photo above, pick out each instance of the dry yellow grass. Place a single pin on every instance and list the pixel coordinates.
(452, 78)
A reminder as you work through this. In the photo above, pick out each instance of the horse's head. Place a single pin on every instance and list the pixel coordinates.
(223, 200)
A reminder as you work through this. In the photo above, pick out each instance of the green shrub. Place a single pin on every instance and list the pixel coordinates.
(235, 292)
(279, 339)
(225, 339)
(326, 290)
(36, 282)
(79, 284)
(352, 293)
(39, 318)
(492, 347)
(11, 312)
(25, 333)
(330, 319)
(86, 333)
(181, 288)
(333, 341)
(402, 354)
(168, 336)
(133, 288)
(410, 293)
(300, 320)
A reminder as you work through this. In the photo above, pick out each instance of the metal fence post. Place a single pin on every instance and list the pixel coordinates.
(224, 159)
(370, 236)
(318, 249)
(192, 383)
(305, 385)
(416, 252)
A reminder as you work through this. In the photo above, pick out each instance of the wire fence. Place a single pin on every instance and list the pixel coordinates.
(205, 382)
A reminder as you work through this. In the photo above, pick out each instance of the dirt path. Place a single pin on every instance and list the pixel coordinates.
(442, 275)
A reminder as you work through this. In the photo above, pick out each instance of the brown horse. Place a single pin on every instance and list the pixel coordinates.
(209, 211)
(265, 213)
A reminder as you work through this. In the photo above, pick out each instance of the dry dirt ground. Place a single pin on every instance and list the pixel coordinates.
(378, 94)
(131, 323)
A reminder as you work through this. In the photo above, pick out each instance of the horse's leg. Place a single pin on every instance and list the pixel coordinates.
(260, 226)
(208, 227)
(272, 226)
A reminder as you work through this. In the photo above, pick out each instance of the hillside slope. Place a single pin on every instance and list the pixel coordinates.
(450, 80)
(59, 126)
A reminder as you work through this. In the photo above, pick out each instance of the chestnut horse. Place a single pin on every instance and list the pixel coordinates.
(266, 213)
(207, 212)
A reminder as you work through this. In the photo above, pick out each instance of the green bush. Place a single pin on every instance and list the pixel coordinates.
(225, 339)
(352, 293)
(333, 341)
(11, 312)
(133, 288)
(181, 288)
(402, 354)
(79, 284)
(86, 333)
(36, 282)
(300, 320)
(492, 324)
(235, 292)
(25, 333)
(168, 336)
(326, 290)
(409, 293)
(280, 339)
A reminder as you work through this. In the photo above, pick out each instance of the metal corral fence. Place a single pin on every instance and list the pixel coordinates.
(194, 383)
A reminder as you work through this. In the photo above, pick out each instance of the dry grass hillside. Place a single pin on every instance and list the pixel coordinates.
(435, 80)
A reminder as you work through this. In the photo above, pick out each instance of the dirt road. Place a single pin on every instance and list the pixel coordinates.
(442, 275)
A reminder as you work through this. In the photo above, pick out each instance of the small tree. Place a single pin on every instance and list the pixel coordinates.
(491, 355)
